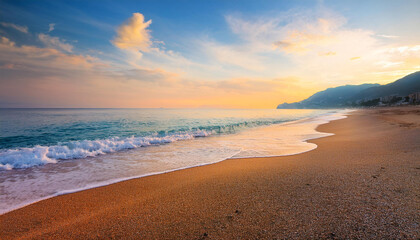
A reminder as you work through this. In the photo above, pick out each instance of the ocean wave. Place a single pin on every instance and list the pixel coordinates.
(22, 187)
(40, 155)
(31, 156)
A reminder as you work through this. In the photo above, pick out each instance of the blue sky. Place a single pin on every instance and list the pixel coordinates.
(200, 53)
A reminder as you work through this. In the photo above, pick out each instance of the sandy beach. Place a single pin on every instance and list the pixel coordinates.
(361, 183)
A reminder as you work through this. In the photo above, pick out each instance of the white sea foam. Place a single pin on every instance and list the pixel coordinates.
(21, 187)
(40, 155)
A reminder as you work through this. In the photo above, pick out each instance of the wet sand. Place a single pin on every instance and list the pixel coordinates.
(362, 183)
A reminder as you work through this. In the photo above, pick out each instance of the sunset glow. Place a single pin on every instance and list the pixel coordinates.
(209, 54)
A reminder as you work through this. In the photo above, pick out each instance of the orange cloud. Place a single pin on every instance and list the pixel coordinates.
(300, 39)
(134, 35)
(6, 42)
(44, 60)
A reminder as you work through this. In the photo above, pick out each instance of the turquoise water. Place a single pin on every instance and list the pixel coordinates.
(31, 127)
(47, 152)
(80, 133)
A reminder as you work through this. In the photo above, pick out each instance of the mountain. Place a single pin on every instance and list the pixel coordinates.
(402, 87)
(329, 98)
(351, 95)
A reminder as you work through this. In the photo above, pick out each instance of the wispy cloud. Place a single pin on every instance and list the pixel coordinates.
(387, 36)
(41, 59)
(51, 27)
(23, 29)
(233, 55)
(55, 42)
(397, 60)
(318, 43)
(304, 38)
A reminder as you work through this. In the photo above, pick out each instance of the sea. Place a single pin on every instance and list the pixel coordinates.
(49, 152)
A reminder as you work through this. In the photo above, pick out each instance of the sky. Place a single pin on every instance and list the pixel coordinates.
(199, 54)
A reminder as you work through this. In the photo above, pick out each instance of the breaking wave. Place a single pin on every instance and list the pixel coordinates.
(40, 155)
(26, 157)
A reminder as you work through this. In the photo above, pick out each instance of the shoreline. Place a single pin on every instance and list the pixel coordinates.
(118, 180)
(225, 199)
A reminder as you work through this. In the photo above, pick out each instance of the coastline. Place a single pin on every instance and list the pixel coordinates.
(337, 190)
(310, 122)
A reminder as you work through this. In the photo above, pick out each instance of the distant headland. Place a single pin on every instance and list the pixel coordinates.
(403, 91)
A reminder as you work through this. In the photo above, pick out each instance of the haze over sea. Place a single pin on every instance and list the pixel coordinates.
(46, 152)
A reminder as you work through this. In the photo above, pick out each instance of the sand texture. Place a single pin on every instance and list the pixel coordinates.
(362, 183)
